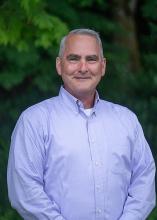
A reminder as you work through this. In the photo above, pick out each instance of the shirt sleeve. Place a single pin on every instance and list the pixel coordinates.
(141, 192)
(25, 174)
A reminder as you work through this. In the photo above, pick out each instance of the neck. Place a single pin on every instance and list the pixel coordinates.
(87, 100)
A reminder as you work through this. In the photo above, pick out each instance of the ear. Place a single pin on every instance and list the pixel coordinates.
(103, 66)
(58, 66)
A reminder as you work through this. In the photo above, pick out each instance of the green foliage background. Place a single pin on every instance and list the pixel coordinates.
(30, 32)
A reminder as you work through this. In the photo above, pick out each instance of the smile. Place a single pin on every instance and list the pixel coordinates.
(82, 78)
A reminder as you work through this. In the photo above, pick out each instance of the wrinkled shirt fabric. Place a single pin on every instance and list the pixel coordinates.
(65, 165)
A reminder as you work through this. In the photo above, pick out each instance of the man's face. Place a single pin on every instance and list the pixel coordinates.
(81, 65)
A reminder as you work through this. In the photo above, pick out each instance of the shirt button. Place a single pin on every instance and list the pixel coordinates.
(98, 211)
(92, 141)
(98, 187)
(97, 163)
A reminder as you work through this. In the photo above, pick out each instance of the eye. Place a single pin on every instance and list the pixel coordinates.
(73, 58)
(92, 59)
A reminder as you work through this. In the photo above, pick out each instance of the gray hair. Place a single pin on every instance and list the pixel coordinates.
(81, 31)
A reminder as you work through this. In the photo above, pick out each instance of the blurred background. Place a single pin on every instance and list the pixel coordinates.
(30, 32)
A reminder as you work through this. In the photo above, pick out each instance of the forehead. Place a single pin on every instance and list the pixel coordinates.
(81, 45)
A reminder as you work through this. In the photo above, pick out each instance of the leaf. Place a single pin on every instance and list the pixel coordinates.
(29, 5)
(43, 21)
(10, 79)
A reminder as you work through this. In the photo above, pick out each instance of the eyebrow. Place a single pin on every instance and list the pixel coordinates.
(88, 57)
(92, 57)
(72, 56)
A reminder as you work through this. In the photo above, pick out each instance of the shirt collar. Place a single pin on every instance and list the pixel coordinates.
(74, 103)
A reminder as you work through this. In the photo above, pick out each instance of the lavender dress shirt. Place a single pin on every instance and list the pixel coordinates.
(64, 165)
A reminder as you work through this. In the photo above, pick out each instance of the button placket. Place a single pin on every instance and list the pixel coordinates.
(97, 172)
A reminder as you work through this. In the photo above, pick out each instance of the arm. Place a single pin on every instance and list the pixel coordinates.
(141, 192)
(26, 172)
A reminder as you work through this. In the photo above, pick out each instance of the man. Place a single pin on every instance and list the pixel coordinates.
(75, 156)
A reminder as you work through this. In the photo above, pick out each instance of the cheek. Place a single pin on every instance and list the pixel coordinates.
(97, 71)
(69, 69)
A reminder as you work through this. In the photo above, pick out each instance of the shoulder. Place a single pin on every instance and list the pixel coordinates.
(40, 109)
(114, 108)
(37, 115)
(121, 114)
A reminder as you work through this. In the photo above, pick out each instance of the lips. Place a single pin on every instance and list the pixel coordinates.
(78, 77)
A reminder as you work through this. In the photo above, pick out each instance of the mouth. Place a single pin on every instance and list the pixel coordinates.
(82, 78)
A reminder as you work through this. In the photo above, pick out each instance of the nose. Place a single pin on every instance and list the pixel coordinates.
(83, 68)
